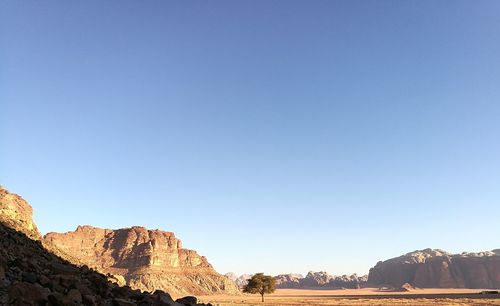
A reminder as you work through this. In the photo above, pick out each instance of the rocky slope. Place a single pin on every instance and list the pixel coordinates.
(146, 259)
(438, 269)
(316, 280)
(32, 275)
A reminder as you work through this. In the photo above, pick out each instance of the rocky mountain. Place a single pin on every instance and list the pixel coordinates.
(32, 275)
(324, 280)
(313, 280)
(438, 269)
(241, 280)
(16, 213)
(146, 259)
(288, 280)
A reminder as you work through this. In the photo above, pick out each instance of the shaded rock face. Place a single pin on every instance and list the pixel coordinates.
(318, 280)
(438, 269)
(16, 213)
(146, 259)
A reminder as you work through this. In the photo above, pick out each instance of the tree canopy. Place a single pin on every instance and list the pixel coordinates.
(260, 283)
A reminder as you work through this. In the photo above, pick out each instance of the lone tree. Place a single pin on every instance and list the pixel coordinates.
(260, 283)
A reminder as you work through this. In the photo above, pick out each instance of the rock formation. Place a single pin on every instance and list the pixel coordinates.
(288, 280)
(16, 213)
(316, 280)
(146, 259)
(438, 269)
(31, 275)
(241, 280)
(313, 280)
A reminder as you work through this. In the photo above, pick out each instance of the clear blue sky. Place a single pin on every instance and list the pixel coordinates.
(274, 136)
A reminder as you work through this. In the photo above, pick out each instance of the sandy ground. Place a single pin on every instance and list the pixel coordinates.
(366, 296)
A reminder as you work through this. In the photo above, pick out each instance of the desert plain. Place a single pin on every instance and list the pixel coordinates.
(365, 296)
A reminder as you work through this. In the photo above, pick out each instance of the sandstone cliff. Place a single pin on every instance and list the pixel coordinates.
(16, 213)
(30, 274)
(146, 259)
(438, 269)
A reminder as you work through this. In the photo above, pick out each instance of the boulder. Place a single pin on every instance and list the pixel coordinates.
(187, 300)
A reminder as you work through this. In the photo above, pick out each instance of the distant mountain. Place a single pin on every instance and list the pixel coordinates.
(317, 280)
(288, 280)
(434, 268)
(241, 280)
(313, 280)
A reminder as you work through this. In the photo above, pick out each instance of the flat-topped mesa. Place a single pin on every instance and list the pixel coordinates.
(438, 269)
(147, 259)
(16, 213)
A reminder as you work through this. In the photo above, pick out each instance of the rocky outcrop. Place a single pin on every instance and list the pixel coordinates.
(16, 213)
(240, 281)
(31, 275)
(146, 259)
(143, 259)
(438, 269)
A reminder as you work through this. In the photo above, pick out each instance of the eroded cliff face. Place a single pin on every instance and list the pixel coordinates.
(438, 269)
(17, 214)
(147, 259)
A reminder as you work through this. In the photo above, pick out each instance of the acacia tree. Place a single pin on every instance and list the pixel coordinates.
(260, 283)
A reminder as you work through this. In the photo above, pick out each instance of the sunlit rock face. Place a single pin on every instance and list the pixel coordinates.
(438, 269)
(147, 259)
(16, 213)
